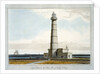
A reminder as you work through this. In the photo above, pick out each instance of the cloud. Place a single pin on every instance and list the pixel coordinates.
(72, 36)
(67, 14)
(41, 43)
(78, 41)
(23, 41)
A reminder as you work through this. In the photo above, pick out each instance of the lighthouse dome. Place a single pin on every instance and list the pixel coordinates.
(53, 16)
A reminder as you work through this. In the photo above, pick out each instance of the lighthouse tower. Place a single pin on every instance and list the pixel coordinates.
(55, 52)
(54, 38)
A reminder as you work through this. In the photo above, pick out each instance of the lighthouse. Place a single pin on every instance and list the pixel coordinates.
(54, 38)
(54, 52)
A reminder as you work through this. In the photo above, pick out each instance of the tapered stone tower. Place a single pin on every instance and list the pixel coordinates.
(54, 38)
(54, 52)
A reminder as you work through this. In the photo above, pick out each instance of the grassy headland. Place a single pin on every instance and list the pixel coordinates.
(22, 61)
(54, 61)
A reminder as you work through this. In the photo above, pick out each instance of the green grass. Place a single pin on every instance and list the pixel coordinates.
(55, 61)
(22, 61)
(65, 62)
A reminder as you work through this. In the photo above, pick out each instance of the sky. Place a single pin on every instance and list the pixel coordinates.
(29, 30)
